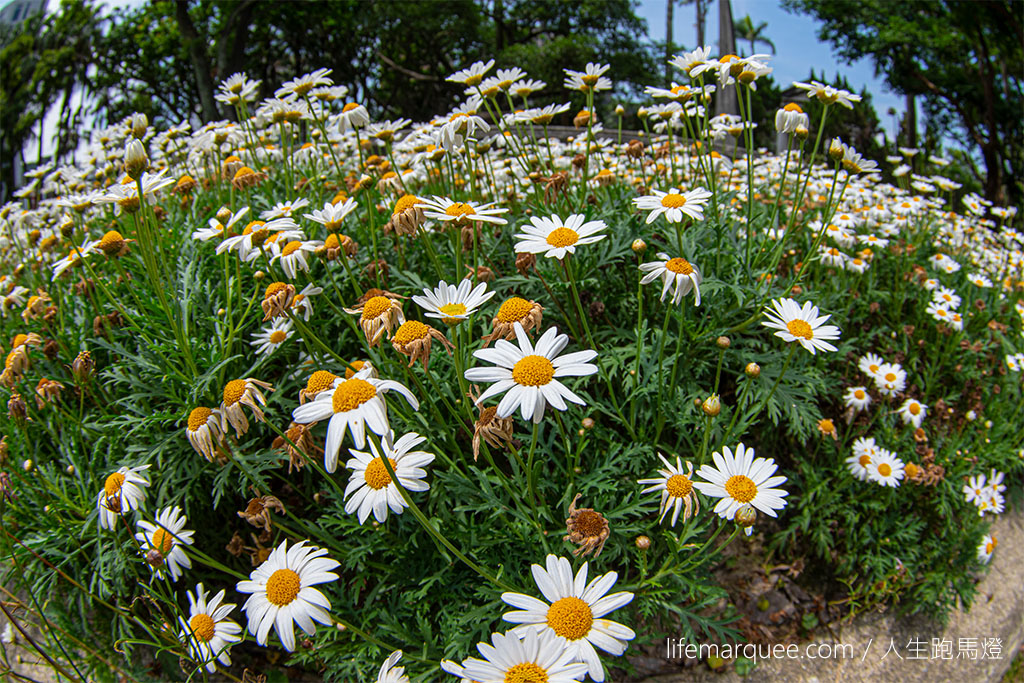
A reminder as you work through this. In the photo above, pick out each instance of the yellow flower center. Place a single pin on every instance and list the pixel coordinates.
(410, 331)
(526, 672)
(162, 541)
(826, 426)
(793, 106)
(278, 336)
(198, 417)
(201, 626)
(673, 200)
(112, 486)
(273, 289)
(244, 172)
(452, 310)
(590, 79)
(376, 474)
(914, 409)
(864, 460)
(349, 107)
(570, 618)
(283, 587)
(911, 470)
(110, 238)
(233, 391)
(533, 371)
(291, 248)
(890, 377)
(884, 469)
(514, 309)
(990, 546)
(859, 394)
(678, 486)
(459, 209)
(800, 328)
(320, 381)
(741, 488)
(679, 266)
(404, 203)
(375, 307)
(353, 367)
(563, 237)
(351, 394)
(19, 339)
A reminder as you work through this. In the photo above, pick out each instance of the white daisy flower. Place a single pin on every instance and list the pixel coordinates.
(857, 398)
(870, 364)
(530, 374)
(987, 547)
(891, 379)
(302, 304)
(676, 486)
(283, 209)
(674, 204)
(555, 238)
(975, 490)
(389, 672)
(303, 84)
(352, 404)
(913, 412)
(204, 431)
(885, 468)
(946, 296)
(283, 594)
(370, 487)
(677, 274)
(590, 79)
(979, 280)
(293, 256)
(534, 656)
(163, 542)
(864, 450)
(268, 339)
(123, 491)
(803, 325)
(574, 610)
(216, 228)
(209, 633)
(473, 75)
(448, 211)
(332, 215)
(740, 480)
(453, 304)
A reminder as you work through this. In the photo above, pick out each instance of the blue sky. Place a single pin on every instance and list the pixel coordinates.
(794, 35)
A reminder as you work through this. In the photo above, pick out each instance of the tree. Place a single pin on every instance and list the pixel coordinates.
(702, 15)
(965, 60)
(745, 29)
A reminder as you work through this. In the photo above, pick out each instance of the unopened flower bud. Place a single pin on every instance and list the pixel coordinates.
(82, 366)
(723, 342)
(588, 423)
(835, 149)
(639, 246)
(753, 370)
(139, 125)
(223, 214)
(16, 408)
(745, 516)
(70, 470)
(643, 542)
(581, 119)
(258, 275)
(135, 160)
(802, 132)
(712, 405)
(620, 110)
(154, 558)
(27, 465)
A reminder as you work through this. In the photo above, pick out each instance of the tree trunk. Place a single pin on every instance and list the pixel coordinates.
(200, 61)
(910, 121)
(231, 40)
(702, 11)
(499, 25)
(993, 174)
(668, 42)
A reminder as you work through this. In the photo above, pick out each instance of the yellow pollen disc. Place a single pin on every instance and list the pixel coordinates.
(533, 371)
(793, 106)
(233, 391)
(800, 328)
(673, 200)
(727, 58)
(112, 237)
(198, 417)
(232, 160)
(410, 331)
(741, 488)
(570, 618)
(19, 339)
(283, 587)
(201, 626)
(911, 470)
(405, 202)
(453, 309)
(162, 541)
(354, 367)
(678, 486)
(989, 547)
(389, 175)
(890, 377)
(376, 475)
(514, 309)
(859, 394)
(563, 237)
(827, 426)
(278, 336)
(679, 266)
(112, 486)
(348, 107)
(459, 209)
(291, 248)
(884, 469)
(273, 289)
(915, 408)
(319, 381)
(244, 172)
(351, 394)
(864, 460)
(526, 672)
(375, 306)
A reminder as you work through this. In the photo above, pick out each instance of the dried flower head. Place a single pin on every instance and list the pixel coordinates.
(587, 528)
(414, 339)
(276, 299)
(299, 445)
(515, 310)
(257, 512)
(496, 431)
(377, 315)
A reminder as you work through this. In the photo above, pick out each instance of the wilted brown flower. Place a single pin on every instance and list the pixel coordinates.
(47, 391)
(336, 244)
(587, 528)
(82, 367)
(414, 339)
(496, 431)
(377, 315)
(276, 299)
(257, 512)
(304, 447)
(515, 310)
(525, 262)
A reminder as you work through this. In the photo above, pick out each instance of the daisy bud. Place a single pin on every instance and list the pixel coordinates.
(802, 132)
(27, 465)
(723, 342)
(70, 470)
(82, 367)
(836, 149)
(258, 275)
(639, 246)
(746, 516)
(588, 423)
(135, 160)
(620, 110)
(753, 370)
(139, 125)
(16, 408)
(697, 403)
(643, 542)
(223, 214)
(712, 405)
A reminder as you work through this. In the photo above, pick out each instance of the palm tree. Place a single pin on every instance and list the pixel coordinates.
(745, 29)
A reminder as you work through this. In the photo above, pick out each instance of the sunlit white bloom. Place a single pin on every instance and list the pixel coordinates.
(332, 215)
(741, 479)
(449, 211)
(163, 542)
(123, 491)
(268, 339)
(209, 633)
(857, 398)
(303, 84)
(891, 379)
(912, 412)
(530, 656)
(674, 204)
(801, 324)
(676, 486)
(677, 274)
(370, 487)
(473, 75)
(864, 451)
(452, 303)
(589, 79)
(885, 469)
(556, 238)
(390, 672)
(986, 548)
